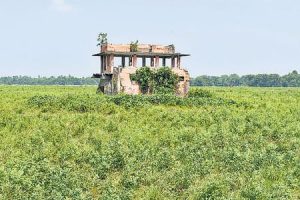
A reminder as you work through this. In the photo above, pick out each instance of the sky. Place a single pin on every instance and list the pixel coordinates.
(58, 37)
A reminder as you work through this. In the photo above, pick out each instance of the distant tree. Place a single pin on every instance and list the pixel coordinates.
(260, 80)
(60, 80)
(295, 72)
(291, 80)
(233, 80)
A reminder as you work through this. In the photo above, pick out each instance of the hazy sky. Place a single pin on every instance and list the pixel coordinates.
(54, 37)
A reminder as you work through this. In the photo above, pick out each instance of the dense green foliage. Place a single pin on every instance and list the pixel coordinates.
(165, 81)
(88, 103)
(260, 80)
(144, 77)
(198, 92)
(60, 80)
(69, 143)
(159, 81)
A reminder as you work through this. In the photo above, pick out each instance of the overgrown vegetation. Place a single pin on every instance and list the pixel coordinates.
(69, 143)
(198, 93)
(157, 81)
(144, 77)
(92, 103)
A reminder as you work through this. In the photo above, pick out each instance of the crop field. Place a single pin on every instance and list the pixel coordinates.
(219, 143)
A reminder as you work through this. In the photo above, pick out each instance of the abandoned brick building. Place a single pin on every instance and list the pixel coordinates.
(116, 79)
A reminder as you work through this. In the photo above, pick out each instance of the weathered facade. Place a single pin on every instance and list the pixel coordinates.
(116, 79)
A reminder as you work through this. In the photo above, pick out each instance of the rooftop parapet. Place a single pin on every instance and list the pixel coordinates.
(141, 48)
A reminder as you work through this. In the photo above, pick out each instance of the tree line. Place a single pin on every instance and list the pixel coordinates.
(52, 80)
(260, 80)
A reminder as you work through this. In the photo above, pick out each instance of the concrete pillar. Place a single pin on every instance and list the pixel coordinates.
(172, 62)
(130, 61)
(102, 64)
(164, 62)
(107, 62)
(134, 60)
(111, 62)
(156, 61)
(123, 61)
(144, 61)
(178, 62)
(152, 62)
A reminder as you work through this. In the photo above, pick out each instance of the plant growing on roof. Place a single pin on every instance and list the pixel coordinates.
(102, 39)
(172, 47)
(134, 46)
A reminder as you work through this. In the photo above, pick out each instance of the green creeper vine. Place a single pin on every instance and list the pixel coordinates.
(160, 81)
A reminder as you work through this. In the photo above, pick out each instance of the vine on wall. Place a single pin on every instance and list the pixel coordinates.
(160, 81)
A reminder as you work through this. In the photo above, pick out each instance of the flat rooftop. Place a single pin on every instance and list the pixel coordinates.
(140, 50)
(141, 54)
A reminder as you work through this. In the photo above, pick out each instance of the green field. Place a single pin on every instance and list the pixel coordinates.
(69, 143)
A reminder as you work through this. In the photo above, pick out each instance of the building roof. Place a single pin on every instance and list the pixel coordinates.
(141, 54)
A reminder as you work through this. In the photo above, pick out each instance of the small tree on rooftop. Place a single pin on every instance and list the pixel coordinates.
(172, 47)
(102, 39)
(134, 46)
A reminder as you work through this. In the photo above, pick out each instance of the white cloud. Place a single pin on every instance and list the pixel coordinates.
(62, 6)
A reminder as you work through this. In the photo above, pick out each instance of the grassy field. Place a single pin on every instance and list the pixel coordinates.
(69, 143)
